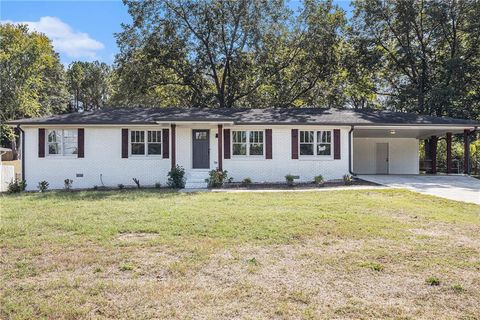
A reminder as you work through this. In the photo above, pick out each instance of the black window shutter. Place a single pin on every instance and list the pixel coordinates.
(165, 144)
(81, 143)
(336, 144)
(294, 143)
(124, 143)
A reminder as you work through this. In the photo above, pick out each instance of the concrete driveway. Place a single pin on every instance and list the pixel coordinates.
(454, 187)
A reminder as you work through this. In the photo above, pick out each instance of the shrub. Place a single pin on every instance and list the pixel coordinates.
(347, 179)
(319, 179)
(289, 178)
(247, 181)
(217, 178)
(120, 186)
(137, 182)
(176, 177)
(42, 186)
(433, 281)
(67, 184)
(157, 185)
(95, 187)
(17, 186)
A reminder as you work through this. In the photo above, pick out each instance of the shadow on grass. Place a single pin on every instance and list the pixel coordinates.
(125, 195)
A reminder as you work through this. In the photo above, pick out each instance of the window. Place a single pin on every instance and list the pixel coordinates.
(139, 145)
(137, 140)
(324, 143)
(247, 143)
(256, 143)
(200, 135)
(155, 142)
(306, 143)
(62, 142)
(239, 143)
(316, 143)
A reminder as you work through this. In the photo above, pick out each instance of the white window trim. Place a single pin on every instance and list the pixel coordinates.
(145, 144)
(315, 156)
(247, 156)
(62, 154)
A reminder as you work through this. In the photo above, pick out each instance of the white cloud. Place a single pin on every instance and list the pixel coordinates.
(65, 40)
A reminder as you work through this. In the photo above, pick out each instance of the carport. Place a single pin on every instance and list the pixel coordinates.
(393, 148)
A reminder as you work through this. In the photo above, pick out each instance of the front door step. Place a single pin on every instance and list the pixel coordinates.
(196, 180)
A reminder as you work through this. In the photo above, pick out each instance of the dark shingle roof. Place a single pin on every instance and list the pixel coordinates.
(245, 116)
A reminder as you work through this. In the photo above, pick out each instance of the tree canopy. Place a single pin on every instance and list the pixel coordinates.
(412, 55)
(428, 53)
(89, 84)
(32, 79)
(226, 53)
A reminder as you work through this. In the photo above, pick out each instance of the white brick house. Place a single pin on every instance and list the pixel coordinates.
(108, 147)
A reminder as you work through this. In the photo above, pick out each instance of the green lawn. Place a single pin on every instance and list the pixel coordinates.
(307, 255)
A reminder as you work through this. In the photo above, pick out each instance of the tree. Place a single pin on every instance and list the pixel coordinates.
(32, 79)
(225, 53)
(429, 53)
(89, 84)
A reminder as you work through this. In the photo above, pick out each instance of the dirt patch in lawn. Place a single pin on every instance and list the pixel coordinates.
(137, 236)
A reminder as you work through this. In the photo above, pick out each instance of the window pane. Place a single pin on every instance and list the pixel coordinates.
(239, 149)
(239, 136)
(54, 136)
(306, 136)
(137, 136)
(154, 136)
(70, 144)
(256, 149)
(306, 149)
(70, 148)
(200, 135)
(323, 136)
(138, 148)
(256, 136)
(53, 148)
(154, 148)
(324, 149)
(70, 133)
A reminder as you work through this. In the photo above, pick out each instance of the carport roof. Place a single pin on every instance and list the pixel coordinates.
(120, 116)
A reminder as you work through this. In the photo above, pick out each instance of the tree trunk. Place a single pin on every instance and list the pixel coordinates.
(14, 148)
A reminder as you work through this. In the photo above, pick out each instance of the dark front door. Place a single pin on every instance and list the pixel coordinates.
(201, 149)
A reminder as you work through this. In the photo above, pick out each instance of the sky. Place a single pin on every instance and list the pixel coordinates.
(80, 30)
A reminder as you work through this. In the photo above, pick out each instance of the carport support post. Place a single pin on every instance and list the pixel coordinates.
(466, 151)
(433, 150)
(449, 152)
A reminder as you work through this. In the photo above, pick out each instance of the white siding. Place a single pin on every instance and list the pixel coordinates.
(103, 157)
(403, 155)
(281, 164)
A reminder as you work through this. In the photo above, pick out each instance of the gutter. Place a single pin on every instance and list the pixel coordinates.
(23, 151)
(350, 134)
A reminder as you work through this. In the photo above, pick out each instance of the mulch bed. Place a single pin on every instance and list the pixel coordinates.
(297, 185)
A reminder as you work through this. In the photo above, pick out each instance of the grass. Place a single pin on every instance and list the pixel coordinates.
(309, 255)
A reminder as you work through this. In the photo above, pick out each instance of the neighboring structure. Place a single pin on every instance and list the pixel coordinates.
(7, 172)
(112, 146)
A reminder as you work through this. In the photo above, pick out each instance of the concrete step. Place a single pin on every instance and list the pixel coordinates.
(195, 185)
(196, 180)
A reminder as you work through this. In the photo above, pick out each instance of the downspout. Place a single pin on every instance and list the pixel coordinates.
(350, 133)
(23, 151)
